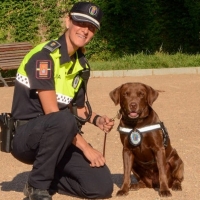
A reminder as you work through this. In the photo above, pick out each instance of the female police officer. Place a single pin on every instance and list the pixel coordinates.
(51, 78)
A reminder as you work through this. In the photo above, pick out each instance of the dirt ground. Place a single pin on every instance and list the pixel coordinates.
(178, 107)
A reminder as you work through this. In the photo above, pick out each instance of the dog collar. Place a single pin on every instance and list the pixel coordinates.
(135, 136)
(141, 130)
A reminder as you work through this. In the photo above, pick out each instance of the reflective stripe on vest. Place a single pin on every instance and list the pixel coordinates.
(66, 85)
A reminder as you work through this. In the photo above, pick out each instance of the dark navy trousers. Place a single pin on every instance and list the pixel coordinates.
(46, 143)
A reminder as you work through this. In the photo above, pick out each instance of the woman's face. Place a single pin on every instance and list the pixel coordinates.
(79, 33)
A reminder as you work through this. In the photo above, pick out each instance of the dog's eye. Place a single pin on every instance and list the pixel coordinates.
(125, 94)
(140, 94)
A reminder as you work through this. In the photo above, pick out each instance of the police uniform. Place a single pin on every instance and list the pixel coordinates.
(45, 140)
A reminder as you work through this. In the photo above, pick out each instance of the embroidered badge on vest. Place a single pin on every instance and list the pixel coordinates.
(52, 45)
(43, 69)
(75, 81)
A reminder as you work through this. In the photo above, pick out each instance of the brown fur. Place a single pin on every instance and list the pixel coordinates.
(153, 165)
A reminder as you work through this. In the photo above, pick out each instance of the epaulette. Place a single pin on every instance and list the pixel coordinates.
(52, 45)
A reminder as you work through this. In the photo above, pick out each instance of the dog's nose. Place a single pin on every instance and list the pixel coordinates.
(133, 105)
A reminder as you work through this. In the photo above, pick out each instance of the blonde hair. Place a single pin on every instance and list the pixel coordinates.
(83, 49)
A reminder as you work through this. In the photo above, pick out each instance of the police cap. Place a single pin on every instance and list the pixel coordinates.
(87, 12)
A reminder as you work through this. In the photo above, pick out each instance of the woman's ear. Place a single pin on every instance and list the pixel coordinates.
(67, 21)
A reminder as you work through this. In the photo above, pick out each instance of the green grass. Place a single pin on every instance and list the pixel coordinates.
(140, 61)
(8, 73)
(144, 61)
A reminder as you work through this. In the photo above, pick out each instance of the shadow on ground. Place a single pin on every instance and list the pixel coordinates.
(118, 179)
(17, 184)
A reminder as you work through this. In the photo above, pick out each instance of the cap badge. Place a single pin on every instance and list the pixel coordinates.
(93, 10)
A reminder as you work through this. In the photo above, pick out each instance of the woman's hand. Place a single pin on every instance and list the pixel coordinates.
(95, 157)
(104, 123)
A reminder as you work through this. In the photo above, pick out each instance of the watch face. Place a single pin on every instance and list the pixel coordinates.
(135, 138)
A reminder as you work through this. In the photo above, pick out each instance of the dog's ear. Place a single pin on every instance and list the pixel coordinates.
(115, 95)
(152, 95)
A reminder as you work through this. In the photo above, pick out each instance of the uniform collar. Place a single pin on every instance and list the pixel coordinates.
(63, 50)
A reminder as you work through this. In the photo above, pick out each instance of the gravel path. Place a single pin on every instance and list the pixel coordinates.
(178, 107)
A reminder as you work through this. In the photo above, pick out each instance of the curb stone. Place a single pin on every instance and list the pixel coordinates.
(145, 72)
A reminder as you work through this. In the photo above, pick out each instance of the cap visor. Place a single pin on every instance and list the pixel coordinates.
(83, 19)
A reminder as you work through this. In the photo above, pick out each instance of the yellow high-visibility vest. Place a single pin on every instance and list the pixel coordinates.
(66, 85)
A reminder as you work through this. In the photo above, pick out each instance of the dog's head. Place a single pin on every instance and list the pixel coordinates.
(134, 99)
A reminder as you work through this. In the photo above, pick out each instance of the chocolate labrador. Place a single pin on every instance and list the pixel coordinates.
(147, 150)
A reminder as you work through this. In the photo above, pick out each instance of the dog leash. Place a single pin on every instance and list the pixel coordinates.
(105, 133)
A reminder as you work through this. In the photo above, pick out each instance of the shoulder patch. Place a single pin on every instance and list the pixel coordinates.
(43, 69)
(52, 45)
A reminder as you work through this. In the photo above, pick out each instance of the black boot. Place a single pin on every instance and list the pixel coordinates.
(36, 194)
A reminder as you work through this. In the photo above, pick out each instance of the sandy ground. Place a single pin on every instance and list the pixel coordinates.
(178, 107)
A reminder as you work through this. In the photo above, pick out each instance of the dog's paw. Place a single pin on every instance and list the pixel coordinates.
(134, 186)
(165, 193)
(122, 193)
(176, 186)
(137, 186)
